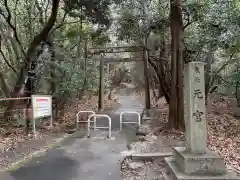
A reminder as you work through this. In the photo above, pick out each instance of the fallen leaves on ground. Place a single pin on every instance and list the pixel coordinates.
(223, 131)
(147, 170)
(10, 136)
(68, 120)
(224, 138)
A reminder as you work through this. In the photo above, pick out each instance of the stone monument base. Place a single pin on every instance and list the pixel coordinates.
(190, 166)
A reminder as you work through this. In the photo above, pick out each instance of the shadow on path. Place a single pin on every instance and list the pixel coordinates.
(56, 164)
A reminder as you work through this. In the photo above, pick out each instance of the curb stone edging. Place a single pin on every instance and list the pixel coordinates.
(149, 156)
(143, 156)
(39, 153)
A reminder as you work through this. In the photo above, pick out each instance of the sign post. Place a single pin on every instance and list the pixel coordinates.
(42, 107)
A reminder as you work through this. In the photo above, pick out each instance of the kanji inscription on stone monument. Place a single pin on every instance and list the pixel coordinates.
(197, 80)
(198, 115)
(197, 94)
(197, 71)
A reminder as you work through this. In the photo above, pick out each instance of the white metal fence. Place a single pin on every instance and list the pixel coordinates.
(92, 113)
(130, 122)
(100, 116)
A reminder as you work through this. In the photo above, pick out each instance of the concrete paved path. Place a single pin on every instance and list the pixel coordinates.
(81, 158)
(128, 102)
(77, 159)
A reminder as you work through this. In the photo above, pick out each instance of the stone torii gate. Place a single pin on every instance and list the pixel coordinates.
(107, 50)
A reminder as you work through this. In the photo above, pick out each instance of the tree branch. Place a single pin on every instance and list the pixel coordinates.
(221, 68)
(10, 42)
(40, 12)
(42, 36)
(226, 63)
(8, 19)
(15, 13)
(5, 59)
(4, 86)
(188, 23)
(61, 24)
(48, 2)
(186, 18)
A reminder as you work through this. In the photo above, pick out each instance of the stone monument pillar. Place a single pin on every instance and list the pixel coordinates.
(195, 107)
(195, 161)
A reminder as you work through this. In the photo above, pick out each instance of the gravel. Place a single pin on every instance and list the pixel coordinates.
(146, 171)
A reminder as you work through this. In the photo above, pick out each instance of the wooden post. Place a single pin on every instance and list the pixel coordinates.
(146, 76)
(101, 86)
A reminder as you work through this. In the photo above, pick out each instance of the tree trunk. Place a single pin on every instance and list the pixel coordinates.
(173, 90)
(4, 85)
(160, 69)
(164, 87)
(180, 93)
(176, 108)
(146, 76)
(101, 86)
(208, 77)
(29, 90)
(85, 81)
(163, 67)
(237, 93)
(84, 87)
(53, 58)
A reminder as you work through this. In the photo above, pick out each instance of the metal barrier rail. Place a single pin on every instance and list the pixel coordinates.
(127, 122)
(100, 115)
(94, 121)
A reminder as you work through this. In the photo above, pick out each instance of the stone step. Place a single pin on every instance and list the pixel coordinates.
(145, 118)
(177, 174)
(149, 156)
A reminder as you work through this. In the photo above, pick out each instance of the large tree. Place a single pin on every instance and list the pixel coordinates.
(176, 106)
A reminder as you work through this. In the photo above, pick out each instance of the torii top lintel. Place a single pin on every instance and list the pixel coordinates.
(116, 49)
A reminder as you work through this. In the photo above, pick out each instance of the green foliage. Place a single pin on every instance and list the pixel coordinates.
(214, 26)
(139, 18)
(65, 64)
(233, 80)
(210, 27)
(97, 11)
(129, 28)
